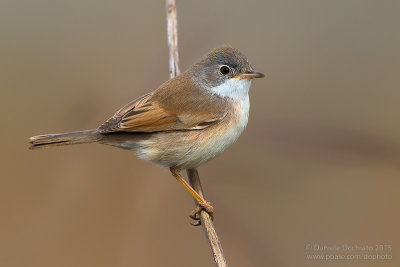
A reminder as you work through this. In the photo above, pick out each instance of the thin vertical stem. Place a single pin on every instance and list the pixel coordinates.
(172, 29)
(207, 223)
(193, 175)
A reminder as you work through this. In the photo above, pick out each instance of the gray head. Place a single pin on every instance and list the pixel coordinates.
(220, 65)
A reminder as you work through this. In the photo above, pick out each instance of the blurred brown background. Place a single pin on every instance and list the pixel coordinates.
(317, 164)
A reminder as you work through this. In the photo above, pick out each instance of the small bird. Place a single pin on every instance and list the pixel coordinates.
(187, 121)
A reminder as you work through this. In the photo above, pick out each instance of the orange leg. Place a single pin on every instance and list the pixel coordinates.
(203, 204)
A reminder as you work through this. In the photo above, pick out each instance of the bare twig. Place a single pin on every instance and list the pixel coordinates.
(172, 29)
(193, 175)
(207, 222)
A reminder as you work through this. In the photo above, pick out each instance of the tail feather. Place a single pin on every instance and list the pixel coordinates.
(80, 137)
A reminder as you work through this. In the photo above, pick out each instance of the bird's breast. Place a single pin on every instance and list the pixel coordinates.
(232, 128)
(212, 141)
(190, 149)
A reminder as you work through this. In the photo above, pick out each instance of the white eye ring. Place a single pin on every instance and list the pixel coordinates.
(224, 70)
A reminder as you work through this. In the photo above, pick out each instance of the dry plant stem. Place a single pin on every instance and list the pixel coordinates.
(172, 29)
(207, 222)
(193, 175)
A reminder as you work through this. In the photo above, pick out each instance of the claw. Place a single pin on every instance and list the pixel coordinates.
(195, 214)
(198, 223)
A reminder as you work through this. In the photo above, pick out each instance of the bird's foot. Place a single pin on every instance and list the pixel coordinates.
(195, 214)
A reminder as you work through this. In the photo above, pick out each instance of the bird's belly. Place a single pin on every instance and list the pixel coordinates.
(185, 150)
(190, 149)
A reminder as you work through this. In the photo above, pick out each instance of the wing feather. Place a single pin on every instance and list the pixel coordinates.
(145, 114)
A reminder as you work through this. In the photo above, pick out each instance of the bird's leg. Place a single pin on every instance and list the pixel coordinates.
(202, 203)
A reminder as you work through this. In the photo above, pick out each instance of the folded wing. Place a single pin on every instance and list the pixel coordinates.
(146, 114)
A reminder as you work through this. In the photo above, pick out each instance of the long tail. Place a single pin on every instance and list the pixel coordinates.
(80, 137)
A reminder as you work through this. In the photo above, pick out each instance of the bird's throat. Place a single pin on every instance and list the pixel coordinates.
(233, 88)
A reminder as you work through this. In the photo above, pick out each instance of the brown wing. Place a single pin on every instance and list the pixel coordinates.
(145, 114)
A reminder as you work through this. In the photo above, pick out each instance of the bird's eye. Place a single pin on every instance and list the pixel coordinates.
(224, 70)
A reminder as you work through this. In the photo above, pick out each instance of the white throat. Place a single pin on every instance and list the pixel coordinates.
(237, 91)
(234, 88)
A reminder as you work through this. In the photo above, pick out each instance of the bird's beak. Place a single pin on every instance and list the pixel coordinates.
(250, 74)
